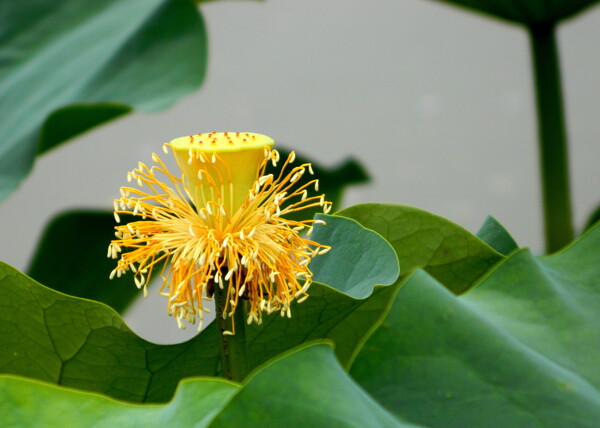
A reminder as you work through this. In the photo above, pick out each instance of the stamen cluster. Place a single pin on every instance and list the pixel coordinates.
(253, 252)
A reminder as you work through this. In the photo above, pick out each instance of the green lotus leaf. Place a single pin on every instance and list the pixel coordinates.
(445, 250)
(519, 349)
(28, 403)
(496, 236)
(69, 341)
(358, 258)
(304, 387)
(529, 12)
(312, 390)
(83, 344)
(70, 65)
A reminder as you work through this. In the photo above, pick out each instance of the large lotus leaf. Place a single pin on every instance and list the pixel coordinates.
(84, 344)
(519, 349)
(305, 387)
(527, 11)
(69, 65)
(79, 343)
(448, 252)
(326, 314)
(29, 403)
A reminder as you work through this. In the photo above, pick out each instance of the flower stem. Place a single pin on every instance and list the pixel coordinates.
(233, 347)
(558, 226)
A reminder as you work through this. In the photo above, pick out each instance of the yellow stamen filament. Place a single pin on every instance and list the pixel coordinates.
(208, 230)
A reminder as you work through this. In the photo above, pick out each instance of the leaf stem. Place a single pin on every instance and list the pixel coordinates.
(558, 225)
(233, 347)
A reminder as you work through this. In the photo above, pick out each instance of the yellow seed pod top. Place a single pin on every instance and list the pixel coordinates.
(216, 142)
(221, 167)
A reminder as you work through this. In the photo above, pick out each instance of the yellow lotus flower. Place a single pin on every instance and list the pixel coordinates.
(220, 225)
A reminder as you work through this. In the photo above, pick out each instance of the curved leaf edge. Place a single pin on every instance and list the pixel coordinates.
(60, 293)
(227, 394)
(564, 252)
(398, 282)
(488, 272)
(390, 248)
(182, 382)
(120, 318)
(285, 354)
(584, 235)
(106, 397)
(375, 326)
(342, 213)
(410, 272)
(82, 117)
(496, 235)
(405, 277)
(516, 21)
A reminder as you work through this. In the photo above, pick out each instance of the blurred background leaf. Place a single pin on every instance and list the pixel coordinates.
(68, 122)
(333, 181)
(70, 65)
(71, 258)
(527, 12)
